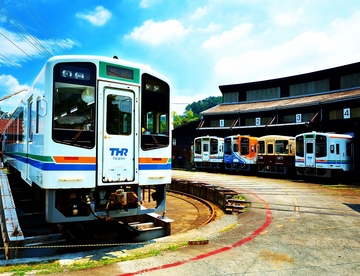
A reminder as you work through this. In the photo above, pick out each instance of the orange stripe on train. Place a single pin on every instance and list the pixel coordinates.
(153, 160)
(75, 159)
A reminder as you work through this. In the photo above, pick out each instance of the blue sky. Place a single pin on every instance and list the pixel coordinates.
(198, 45)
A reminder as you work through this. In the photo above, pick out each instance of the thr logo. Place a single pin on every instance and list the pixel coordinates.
(118, 151)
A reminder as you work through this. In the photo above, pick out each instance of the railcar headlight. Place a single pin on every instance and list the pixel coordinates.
(66, 73)
(79, 75)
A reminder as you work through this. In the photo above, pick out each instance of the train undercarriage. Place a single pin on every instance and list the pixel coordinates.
(27, 234)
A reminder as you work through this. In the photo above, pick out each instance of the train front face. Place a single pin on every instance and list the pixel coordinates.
(109, 145)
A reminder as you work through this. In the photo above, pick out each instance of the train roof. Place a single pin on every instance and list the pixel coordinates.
(328, 134)
(276, 137)
(96, 58)
(207, 136)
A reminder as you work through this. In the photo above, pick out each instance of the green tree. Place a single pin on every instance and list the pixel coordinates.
(187, 118)
(192, 111)
(200, 106)
(177, 121)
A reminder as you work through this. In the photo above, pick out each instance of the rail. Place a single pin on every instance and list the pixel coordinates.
(205, 202)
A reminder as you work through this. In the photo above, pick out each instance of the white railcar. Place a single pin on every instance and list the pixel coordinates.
(324, 154)
(209, 152)
(92, 136)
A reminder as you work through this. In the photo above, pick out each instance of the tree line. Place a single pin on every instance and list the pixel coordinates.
(193, 110)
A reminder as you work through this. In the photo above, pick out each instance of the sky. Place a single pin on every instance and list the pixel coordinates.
(199, 45)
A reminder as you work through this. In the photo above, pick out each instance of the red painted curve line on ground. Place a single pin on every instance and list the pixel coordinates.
(212, 253)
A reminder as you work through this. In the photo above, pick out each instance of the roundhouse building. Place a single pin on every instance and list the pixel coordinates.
(326, 100)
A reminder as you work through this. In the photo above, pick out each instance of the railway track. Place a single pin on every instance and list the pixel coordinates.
(30, 236)
(199, 212)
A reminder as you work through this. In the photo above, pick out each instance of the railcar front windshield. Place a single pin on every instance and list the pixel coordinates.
(245, 146)
(155, 113)
(261, 146)
(227, 145)
(74, 104)
(197, 146)
(281, 146)
(299, 146)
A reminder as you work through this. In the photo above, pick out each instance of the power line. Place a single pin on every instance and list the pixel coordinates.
(21, 32)
(48, 28)
(18, 48)
(13, 63)
(45, 46)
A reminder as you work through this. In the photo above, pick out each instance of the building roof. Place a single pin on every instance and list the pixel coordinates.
(331, 73)
(283, 103)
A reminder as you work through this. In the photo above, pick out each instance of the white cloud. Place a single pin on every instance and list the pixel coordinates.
(98, 17)
(9, 85)
(305, 52)
(233, 37)
(199, 13)
(16, 48)
(147, 3)
(212, 27)
(288, 19)
(156, 33)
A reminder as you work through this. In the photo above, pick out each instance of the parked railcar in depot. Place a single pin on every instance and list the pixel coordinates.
(308, 154)
(324, 154)
(209, 152)
(276, 154)
(240, 153)
(90, 136)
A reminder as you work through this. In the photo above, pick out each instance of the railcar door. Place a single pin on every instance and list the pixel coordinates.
(205, 152)
(117, 154)
(309, 153)
(337, 153)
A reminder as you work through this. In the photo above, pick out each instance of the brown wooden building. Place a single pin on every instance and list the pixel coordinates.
(326, 100)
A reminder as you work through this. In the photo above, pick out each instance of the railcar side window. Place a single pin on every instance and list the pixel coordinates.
(332, 149)
(321, 146)
(155, 113)
(348, 149)
(30, 121)
(74, 104)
